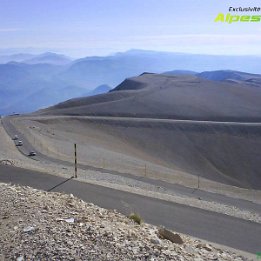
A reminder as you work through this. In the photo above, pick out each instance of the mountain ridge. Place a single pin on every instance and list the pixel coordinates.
(171, 97)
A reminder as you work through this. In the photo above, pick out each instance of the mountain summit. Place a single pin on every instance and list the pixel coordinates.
(50, 58)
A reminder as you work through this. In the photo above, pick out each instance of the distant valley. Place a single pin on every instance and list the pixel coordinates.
(31, 82)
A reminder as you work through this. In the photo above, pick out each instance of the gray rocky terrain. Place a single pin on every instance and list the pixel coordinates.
(37, 225)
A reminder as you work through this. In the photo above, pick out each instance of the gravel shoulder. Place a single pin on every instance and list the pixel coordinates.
(37, 225)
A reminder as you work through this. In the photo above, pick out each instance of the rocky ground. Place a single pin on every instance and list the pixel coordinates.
(37, 225)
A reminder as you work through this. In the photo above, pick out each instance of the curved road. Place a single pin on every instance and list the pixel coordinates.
(214, 227)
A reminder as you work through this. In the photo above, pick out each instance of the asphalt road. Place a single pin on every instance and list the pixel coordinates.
(186, 191)
(12, 131)
(214, 227)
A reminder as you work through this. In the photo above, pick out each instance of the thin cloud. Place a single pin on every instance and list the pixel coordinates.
(3, 30)
(199, 39)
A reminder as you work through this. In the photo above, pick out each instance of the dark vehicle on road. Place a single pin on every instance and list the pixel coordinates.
(19, 143)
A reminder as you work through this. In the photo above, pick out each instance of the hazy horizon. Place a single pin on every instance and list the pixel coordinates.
(33, 51)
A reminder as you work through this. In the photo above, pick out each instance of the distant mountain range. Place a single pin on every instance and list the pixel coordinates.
(223, 75)
(49, 58)
(99, 90)
(29, 82)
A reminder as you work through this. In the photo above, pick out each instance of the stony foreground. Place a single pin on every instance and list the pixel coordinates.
(36, 225)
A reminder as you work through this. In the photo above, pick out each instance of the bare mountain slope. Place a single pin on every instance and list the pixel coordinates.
(211, 129)
(173, 97)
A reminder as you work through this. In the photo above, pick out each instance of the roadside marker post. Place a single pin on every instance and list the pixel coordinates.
(75, 160)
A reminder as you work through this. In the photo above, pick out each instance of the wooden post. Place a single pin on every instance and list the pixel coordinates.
(145, 169)
(198, 181)
(75, 160)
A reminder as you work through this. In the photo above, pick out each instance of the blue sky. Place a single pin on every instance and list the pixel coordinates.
(88, 27)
